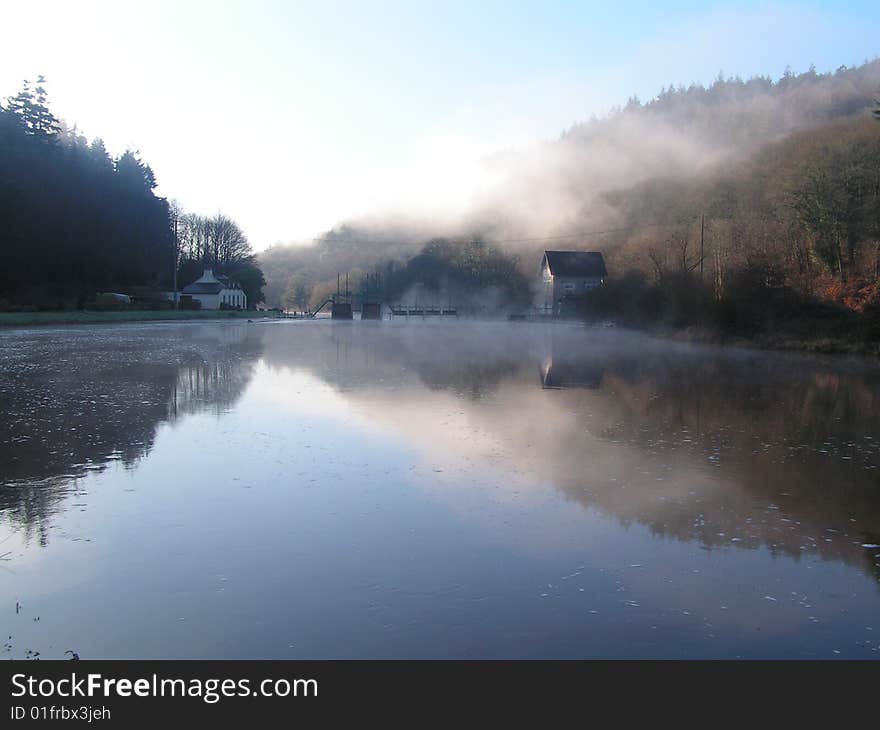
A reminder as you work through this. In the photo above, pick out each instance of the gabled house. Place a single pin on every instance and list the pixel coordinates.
(566, 276)
(215, 292)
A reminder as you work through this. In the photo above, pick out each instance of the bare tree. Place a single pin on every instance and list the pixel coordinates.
(229, 245)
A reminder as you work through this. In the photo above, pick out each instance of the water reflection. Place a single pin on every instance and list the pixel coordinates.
(725, 448)
(76, 400)
(559, 370)
(440, 489)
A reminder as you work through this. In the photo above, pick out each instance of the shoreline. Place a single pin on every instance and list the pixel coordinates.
(781, 342)
(32, 319)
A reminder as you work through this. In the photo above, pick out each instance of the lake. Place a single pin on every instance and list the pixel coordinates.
(436, 489)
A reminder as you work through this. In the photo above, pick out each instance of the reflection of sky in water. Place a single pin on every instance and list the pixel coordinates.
(309, 490)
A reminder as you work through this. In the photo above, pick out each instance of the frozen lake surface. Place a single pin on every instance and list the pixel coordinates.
(437, 490)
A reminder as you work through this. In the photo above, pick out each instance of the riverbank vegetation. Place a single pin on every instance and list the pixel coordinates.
(77, 221)
(783, 248)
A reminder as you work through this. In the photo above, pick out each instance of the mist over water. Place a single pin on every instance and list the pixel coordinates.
(433, 489)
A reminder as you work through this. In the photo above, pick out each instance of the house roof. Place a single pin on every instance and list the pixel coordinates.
(576, 263)
(230, 283)
(210, 284)
(204, 287)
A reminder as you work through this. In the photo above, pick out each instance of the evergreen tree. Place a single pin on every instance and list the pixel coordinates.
(133, 172)
(31, 108)
(99, 156)
(21, 105)
(45, 124)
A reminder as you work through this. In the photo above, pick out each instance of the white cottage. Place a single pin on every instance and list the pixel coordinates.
(214, 292)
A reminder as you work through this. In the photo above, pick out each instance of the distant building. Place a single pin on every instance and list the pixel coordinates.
(566, 276)
(214, 292)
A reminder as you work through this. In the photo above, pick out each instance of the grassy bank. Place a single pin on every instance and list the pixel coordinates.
(751, 313)
(810, 335)
(29, 319)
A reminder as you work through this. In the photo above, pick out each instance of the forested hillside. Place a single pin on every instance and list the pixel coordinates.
(742, 186)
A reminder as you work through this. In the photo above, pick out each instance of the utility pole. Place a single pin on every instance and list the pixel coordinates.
(176, 258)
(702, 241)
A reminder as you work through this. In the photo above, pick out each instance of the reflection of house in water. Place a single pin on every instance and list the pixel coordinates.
(561, 372)
(723, 449)
(773, 431)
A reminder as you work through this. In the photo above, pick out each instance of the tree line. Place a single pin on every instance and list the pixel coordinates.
(783, 247)
(77, 221)
(470, 274)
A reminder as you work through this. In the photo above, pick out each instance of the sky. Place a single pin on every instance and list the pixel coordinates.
(292, 117)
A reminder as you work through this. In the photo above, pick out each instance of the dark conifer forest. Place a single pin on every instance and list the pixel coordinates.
(77, 221)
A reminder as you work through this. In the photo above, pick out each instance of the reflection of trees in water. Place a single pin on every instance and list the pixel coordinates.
(74, 409)
(203, 385)
(29, 506)
(769, 450)
(720, 448)
(436, 355)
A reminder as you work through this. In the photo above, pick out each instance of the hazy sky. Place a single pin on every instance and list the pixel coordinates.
(291, 117)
